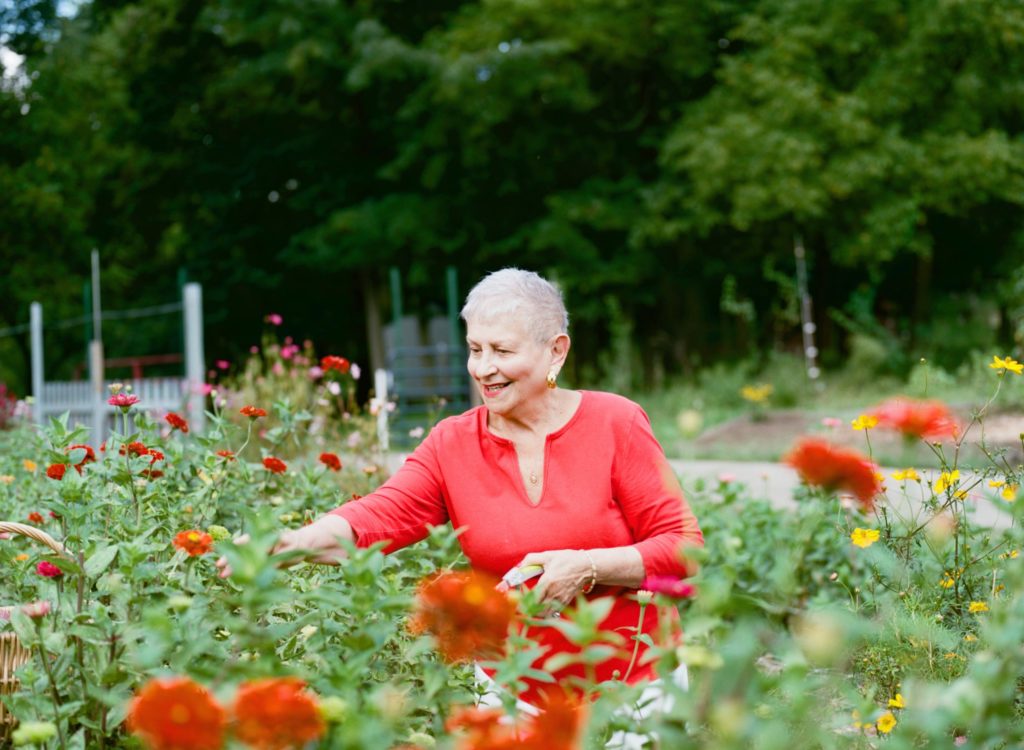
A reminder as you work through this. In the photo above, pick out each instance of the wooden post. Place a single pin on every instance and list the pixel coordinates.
(98, 427)
(380, 394)
(36, 326)
(195, 367)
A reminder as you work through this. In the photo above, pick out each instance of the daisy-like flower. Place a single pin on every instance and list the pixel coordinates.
(124, 401)
(1006, 364)
(926, 420)
(903, 475)
(176, 421)
(977, 607)
(946, 480)
(886, 722)
(865, 422)
(897, 702)
(193, 542)
(339, 364)
(331, 461)
(822, 464)
(253, 412)
(177, 713)
(275, 465)
(277, 713)
(864, 537)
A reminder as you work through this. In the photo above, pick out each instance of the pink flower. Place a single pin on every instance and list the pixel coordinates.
(831, 422)
(35, 610)
(48, 570)
(315, 373)
(274, 319)
(222, 364)
(671, 586)
(204, 389)
(123, 400)
(254, 349)
(725, 477)
(355, 371)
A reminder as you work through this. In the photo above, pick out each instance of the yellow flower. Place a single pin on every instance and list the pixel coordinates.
(946, 480)
(757, 393)
(1006, 364)
(865, 422)
(952, 655)
(886, 722)
(6, 478)
(906, 474)
(970, 637)
(1009, 493)
(897, 702)
(864, 537)
(30, 466)
(977, 607)
(22, 557)
(995, 483)
(947, 581)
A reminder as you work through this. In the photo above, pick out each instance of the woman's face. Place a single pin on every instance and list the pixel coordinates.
(508, 365)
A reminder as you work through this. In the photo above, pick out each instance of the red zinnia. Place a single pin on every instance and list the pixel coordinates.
(824, 465)
(193, 542)
(226, 455)
(928, 420)
(56, 471)
(176, 421)
(331, 461)
(36, 517)
(330, 362)
(671, 586)
(275, 465)
(123, 400)
(134, 448)
(465, 613)
(277, 713)
(48, 570)
(177, 714)
(556, 727)
(90, 455)
(252, 412)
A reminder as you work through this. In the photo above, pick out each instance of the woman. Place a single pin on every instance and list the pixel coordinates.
(571, 480)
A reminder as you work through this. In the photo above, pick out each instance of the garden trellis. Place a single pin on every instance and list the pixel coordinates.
(86, 401)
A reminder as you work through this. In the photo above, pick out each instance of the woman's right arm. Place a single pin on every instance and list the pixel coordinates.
(324, 537)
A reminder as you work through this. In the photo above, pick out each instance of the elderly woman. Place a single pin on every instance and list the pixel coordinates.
(574, 481)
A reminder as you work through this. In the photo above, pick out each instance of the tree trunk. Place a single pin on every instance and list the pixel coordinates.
(372, 295)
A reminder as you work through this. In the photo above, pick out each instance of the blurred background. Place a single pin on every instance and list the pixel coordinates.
(344, 164)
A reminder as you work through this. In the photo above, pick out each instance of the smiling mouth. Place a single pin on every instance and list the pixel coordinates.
(494, 388)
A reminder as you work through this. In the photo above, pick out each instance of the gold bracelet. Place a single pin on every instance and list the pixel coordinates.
(589, 585)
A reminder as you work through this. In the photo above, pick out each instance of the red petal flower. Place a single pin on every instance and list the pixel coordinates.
(927, 420)
(677, 588)
(134, 448)
(275, 465)
(331, 461)
(175, 714)
(36, 517)
(90, 455)
(277, 713)
(822, 464)
(226, 455)
(193, 542)
(48, 570)
(330, 362)
(465, 613)
(176, 421)
(123, 400)
(56, 471)
(253, 412)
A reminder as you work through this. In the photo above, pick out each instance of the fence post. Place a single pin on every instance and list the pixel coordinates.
(195, 367)
(36, 325)
(98, 431)
(380, 395)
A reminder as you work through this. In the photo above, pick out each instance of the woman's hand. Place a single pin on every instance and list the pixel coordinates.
(566, 572)
(320, 539)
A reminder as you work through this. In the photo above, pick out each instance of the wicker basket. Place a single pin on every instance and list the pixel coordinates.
(12, 653)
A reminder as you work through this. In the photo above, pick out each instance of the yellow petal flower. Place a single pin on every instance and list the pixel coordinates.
(30, 466)
(947, 581)
(995, 483)
(864, 537)
(886, 722)
(1009, 363)
(865, 422)
(946, 480)
(6, 478)
(897, 702)
(906, 474)
(997, 363)
(757, 393)
(1009, 493)
(970, 638)
(977, 607)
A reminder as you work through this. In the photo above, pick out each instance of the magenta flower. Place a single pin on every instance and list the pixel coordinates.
(48, 570)
(222, 364)
(124, 400)
(670, 586)
(274, 319)
(35, 610)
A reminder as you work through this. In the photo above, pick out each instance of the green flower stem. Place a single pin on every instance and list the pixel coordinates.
(54, 694)
(636, 641)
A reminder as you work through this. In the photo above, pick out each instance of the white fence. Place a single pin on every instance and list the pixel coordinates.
(86, 401)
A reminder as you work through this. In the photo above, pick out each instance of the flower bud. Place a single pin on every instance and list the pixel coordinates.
(34, 733)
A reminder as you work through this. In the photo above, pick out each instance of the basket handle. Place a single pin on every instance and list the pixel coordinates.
(33, 533)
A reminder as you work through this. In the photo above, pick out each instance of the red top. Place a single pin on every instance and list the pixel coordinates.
(606, 484)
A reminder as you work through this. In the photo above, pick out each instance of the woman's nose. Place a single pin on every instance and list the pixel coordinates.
(484, 366)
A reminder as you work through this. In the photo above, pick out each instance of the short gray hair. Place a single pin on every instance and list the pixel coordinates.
(513, 291)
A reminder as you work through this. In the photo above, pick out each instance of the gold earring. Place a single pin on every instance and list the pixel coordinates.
(552, 379)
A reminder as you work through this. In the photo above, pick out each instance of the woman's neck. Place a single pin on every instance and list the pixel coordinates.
(549, 415)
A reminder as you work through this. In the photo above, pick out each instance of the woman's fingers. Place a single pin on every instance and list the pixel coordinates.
(222, 561)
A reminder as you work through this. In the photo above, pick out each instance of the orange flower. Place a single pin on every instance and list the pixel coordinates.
(226, 455)
(134, 448)
(277, 713)
(193, 542)
(556, 727)
(176, 421)
(331, 461)
(465, 613)
(927, 420)
(90, 455)
(252, 412)
(35, 516)
(177, 714)
(824, 465)
(275, 465)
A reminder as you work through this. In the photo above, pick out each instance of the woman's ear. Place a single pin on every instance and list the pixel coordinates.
(560, 348)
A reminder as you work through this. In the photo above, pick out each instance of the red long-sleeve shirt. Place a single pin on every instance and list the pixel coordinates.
(606, 484)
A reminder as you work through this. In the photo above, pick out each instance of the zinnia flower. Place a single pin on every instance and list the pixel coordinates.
(88, 458)
(274, 319)
(275, 465)
(331, 461)
(886, 722)
(134, 448)
(123, 400)
(277, 713)
(56, 471)
(48, 570)
(556, 727)
(927, 420)
(330, 362)
(35, 610)
(36, 517)
(176, 421)
(253, 412)
(671, 586)
(193, 542)
(822, 464)
(465, 614)
(226, 455)
(175, 714)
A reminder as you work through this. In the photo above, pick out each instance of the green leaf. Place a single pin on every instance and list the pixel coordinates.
(100, 560)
